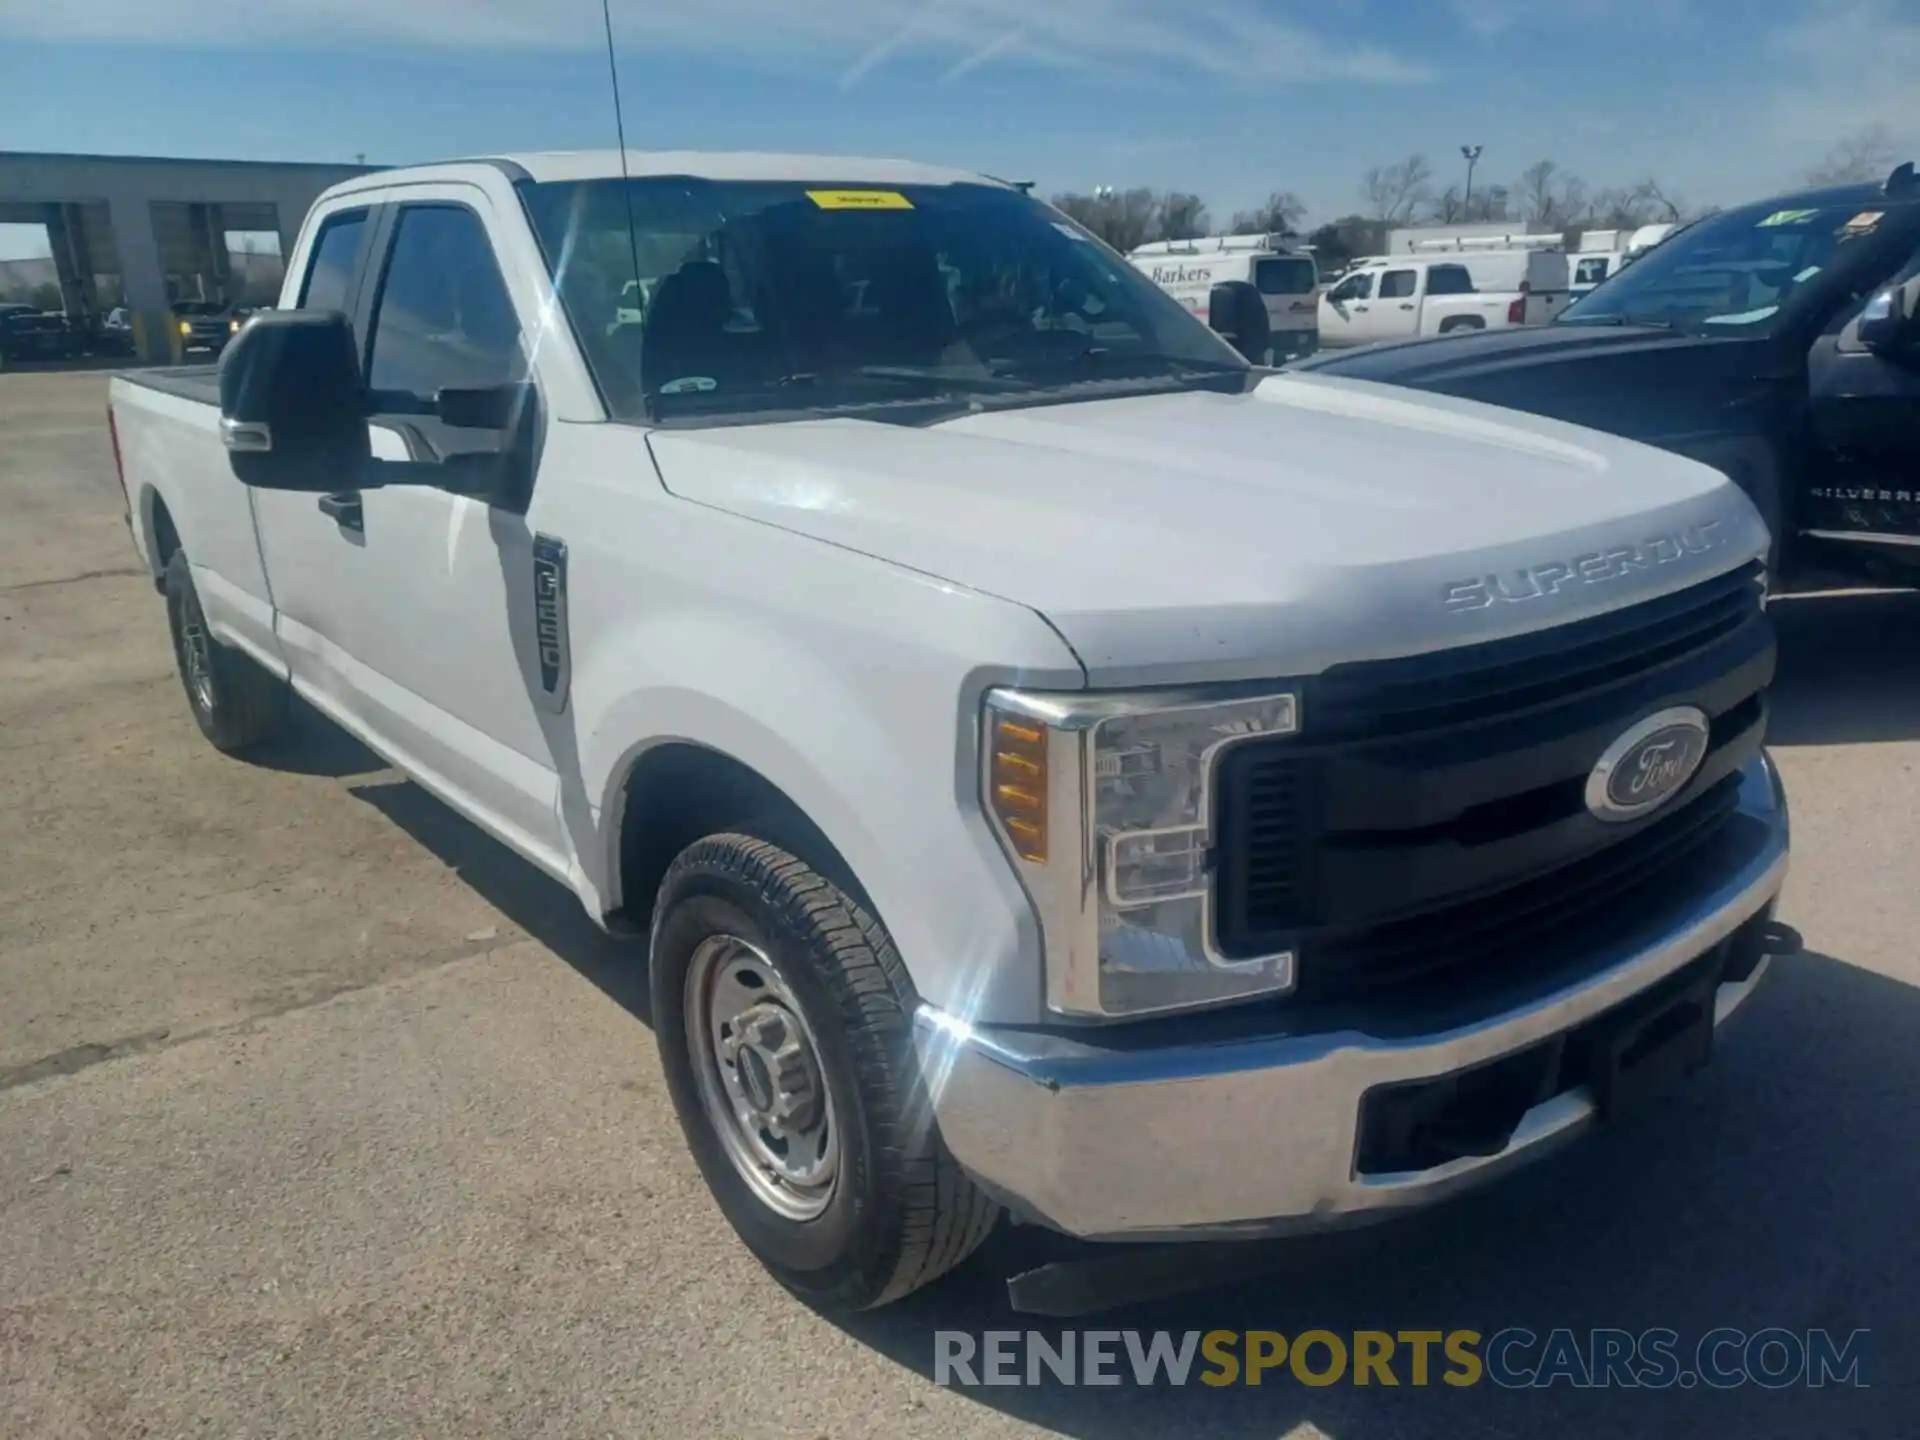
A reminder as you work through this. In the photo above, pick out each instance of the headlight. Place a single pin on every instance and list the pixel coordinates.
(1105, 805)
(233, 327)
(186, 327)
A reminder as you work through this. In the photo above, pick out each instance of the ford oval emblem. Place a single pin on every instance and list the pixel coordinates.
(1648, 765)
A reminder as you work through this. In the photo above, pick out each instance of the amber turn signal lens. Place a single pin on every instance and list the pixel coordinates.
(1018, 784)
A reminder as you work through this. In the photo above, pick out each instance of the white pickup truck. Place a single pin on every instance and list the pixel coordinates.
(1049, 764)
(1404, 298)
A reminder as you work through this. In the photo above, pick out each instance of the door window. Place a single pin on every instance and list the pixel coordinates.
(1398, 284)
(336, 255)
(1354, 287)
(445, 320)
(1449, 280)
(1591, 272)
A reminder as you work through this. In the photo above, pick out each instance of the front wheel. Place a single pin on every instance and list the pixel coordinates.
(784, 1019)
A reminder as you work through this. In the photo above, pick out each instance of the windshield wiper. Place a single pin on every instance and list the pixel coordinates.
(899, 374)
(1618, 319)
(1119, 364)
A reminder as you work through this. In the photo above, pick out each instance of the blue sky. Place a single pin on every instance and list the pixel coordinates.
(1719, 99)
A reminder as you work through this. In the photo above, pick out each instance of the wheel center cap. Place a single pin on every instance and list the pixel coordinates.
(755, 1080)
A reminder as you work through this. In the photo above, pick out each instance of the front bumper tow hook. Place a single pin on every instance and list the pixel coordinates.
(1780, 940)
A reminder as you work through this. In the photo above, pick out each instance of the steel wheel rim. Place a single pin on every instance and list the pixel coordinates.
(761, 1082)
(195, 659)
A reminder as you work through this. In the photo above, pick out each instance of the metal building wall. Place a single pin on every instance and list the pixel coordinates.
(111, 201)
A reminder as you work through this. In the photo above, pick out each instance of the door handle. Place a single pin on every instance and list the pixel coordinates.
(344, 508)
(1407, 306)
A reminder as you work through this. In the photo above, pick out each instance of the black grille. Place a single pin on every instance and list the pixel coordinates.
(1431, 812)
(1488, 932)
(1502, 677)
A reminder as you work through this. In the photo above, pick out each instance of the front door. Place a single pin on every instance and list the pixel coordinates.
(408, 609)
(1344, 310)
(1866, 424)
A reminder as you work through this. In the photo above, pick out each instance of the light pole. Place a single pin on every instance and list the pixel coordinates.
(1472, 152)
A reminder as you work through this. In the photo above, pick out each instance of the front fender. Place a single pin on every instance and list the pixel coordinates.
(878, 755)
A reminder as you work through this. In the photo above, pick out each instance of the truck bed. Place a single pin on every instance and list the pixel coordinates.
(189, 382)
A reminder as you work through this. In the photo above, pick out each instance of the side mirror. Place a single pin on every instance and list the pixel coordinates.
(293, 410)
(1238, 313)
(1890, 325)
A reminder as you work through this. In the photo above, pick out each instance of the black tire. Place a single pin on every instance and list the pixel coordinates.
(902, 1212)
(1454, 327)
(239, 704)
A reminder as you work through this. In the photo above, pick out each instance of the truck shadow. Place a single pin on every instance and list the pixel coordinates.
(311, 744)
(1849, 668)
(1774, 1189)
(547, 910)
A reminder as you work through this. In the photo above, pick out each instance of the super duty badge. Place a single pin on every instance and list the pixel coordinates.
(550, 618)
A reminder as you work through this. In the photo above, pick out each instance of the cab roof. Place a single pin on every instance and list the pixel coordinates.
(542, 166)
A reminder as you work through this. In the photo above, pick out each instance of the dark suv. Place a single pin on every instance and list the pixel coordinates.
(1739, 341)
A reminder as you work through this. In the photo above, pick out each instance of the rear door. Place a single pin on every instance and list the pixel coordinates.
(1395, 312)
(1290, 285)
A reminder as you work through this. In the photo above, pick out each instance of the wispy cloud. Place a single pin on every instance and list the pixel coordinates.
(1490, 18)
(1849, 63)
(967, 64)
(1240, 41)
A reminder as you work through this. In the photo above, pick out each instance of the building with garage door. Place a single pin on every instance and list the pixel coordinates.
(147, 234)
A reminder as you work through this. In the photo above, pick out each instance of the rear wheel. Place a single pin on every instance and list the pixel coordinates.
(235, 703)
(784, 1019)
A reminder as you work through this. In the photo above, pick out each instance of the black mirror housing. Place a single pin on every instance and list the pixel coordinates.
(495, 407)
(1890, 325)
(293, 408)
(1238, 312)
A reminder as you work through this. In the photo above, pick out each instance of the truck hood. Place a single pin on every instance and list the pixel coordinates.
(1199, 536)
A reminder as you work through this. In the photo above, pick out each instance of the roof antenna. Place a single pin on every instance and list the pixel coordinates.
(620, 134)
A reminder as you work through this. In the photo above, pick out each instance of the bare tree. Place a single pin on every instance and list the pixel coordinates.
(1394, 192)
(1449, 208)
(1125, 219)
(1867, 154)
(1280, 214)
(1182, 216)
(1550, 196)
(1664, 206)
(1492, 202)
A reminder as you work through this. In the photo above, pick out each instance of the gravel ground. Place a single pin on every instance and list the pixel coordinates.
(321, 1115)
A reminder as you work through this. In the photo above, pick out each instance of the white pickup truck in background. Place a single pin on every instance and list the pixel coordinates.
(1046, 763)
(1405, 297)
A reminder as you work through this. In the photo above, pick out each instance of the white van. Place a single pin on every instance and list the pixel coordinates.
(1442, 293)
(1287, 278)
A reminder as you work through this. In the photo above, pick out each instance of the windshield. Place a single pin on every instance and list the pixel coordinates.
(1749, 270)
(745, 298)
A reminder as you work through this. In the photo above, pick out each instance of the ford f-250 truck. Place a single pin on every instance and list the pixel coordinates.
(1053, 765)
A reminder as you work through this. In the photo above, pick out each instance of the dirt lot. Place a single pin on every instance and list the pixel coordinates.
(322, 1115)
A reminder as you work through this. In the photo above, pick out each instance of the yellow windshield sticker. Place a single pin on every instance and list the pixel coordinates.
(1788, 217)
(859, 199)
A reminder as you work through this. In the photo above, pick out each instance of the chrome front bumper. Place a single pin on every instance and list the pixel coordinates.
(1250, 1134)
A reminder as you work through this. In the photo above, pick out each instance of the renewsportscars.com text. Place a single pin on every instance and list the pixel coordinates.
(1513, 1358)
